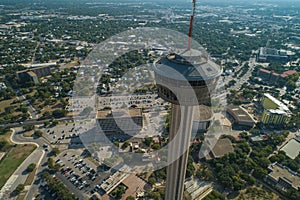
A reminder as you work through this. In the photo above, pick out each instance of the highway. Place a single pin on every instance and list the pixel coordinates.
(35, 122)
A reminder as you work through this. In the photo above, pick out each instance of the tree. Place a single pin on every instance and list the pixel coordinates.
(46, 114)
(190, 170)
(57, 167)
(291, 85)
(59, 113)
(50, 162)
(3, 145)
(28, 127)
(31, 167)
(151, 180)
(215, 195)
(125, 145)
(55, 151)
(148, 141)
(293, 194)
(130, 198)
(46, 123)
(153, 195)
(260, 173)
(119, 191)
(20, 188)
(9, 109)
(54, 122)
(38, 133)
(156, 146)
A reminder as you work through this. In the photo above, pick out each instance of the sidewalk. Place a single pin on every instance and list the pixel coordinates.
(19, 177)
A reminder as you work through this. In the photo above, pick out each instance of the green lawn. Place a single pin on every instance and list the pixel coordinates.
(5, 103)
(12, 160)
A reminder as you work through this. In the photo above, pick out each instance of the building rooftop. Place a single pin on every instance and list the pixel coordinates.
(278, 112)
(41, 65)
(283, 75)
(118, 113)
(280, 172)
(280, 105)
(33, 68)
(264, 70)
(240, 114)
(272, 52)
(290, 72)
(198, 189)
(32, 74)
(189, 65)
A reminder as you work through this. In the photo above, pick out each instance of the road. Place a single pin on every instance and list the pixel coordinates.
(246, 77)
(35, 122)
(40, 164)
(19, 176)
(31, 109)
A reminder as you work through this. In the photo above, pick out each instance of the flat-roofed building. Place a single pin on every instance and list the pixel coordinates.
(282, 178)
(272, 77)
(276, 112)
(115, 179)
(120, 121)
(275, 117)
(241, 116)
(264, 74)
(270, 55)
(33, 74)
(198, 189)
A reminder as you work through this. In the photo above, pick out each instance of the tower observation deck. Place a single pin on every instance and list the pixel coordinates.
(186, 80)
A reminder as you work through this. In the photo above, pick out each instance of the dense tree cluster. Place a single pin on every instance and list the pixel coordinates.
(31, 167)
(119, 191)
(214, 195)
(57, 187)
(282, 158)
(232, 170)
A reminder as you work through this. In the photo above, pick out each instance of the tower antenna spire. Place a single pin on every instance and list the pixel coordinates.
(191, 24)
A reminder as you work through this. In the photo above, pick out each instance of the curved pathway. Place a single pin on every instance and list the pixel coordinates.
(19, 177)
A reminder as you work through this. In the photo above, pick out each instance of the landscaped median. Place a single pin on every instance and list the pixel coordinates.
(15, 155)
(13, 159)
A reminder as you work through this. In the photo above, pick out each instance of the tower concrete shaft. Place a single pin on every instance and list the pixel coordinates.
(178, 150)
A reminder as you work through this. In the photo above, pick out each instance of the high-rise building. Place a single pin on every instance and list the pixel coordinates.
(186, 80)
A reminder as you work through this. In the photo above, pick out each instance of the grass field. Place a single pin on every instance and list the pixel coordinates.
(5, 103)
(28, 134)
(6, 137)
(12, 160)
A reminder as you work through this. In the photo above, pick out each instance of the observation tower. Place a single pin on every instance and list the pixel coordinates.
(185, 79)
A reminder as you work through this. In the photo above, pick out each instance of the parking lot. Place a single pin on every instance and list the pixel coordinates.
(63, 133)
(82, 173)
